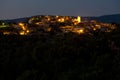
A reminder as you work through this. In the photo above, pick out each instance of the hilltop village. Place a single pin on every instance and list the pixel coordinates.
(59, 48)
(54, 24)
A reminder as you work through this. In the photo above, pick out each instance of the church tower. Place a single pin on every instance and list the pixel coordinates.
(79, 19)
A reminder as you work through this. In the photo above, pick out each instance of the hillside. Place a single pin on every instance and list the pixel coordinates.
(60, 57)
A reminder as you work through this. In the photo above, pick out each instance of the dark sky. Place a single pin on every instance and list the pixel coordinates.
(10, 9)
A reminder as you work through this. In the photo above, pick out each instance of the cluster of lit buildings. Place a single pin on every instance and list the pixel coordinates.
(38, 24)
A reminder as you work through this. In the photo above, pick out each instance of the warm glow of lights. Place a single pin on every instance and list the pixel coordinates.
(80, 31)
(49, 29)
(22, 26)
(22, 33)
(1, 26)
(75, 23)
(27, 31)
(57, 16)
(48, 19)
(98, 26)
(68, 27)
(37, 23)
(6, 33)
(76, 20)
(61, 20)
(3, 23)
(79, 19)
(94, 29)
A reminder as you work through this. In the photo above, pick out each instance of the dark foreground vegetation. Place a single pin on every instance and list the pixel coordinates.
(68, 56)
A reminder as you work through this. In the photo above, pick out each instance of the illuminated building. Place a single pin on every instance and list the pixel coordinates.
(22, 33)
(80, 31)
(22, 26)
(3, 25)
(56, 16)
(6, 33)
(79, 19)
(24, 29)
(94, 29)
(61, 20)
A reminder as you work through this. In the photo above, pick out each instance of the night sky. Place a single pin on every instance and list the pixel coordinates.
(10, 9)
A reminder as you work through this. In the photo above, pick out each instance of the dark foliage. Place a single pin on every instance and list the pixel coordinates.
(60, 57)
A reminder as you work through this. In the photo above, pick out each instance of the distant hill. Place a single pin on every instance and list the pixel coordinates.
(17, 20)
(107, 18)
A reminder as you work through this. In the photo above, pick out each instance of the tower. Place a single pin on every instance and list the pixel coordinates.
(79, 19)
